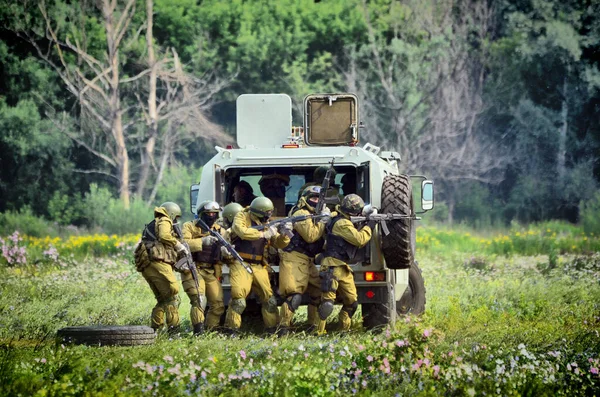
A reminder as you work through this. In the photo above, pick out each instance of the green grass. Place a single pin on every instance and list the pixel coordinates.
(494, 324)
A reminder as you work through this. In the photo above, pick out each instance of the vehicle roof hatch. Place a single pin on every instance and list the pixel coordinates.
(331, 119)
(263, 120)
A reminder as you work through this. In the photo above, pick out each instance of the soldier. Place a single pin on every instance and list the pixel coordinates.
(207, 254)
(297, 270)
(229, 212)
(252, 244)
(342, 242)
(162, 248)
(243, 193)
(333, 193)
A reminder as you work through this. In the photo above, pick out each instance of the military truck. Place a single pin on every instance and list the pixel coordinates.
(388, 279)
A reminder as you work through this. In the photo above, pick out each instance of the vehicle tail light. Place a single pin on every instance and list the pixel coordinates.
(290, 146)
(229, 147)
(374, 276)
(370, 294)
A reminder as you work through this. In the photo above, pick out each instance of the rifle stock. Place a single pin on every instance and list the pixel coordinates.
(189, 261)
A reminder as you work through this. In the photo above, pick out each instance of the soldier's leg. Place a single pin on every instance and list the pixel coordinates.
(162, 277)
(314, 294)
(157, 318)
(329, 287)
(347, 292)
(197, 305)
(214, 295)
(262, 287)
(293, 280)
(241, 284)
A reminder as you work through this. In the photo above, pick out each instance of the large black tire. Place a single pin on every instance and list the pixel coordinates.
(375, 315)
(128, 335)
(413, 300)
(396, 198)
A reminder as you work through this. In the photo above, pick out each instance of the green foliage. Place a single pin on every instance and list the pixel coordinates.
(590, 215)
(175, 186)
(26, 222)
(504, 329)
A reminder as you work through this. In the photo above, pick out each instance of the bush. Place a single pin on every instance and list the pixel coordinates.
(25, 222)
(590, 215)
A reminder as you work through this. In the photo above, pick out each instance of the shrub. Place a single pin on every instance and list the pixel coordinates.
(590, 215)
(25, 222)
(12, 252)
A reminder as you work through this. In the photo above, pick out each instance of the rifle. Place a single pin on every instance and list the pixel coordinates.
(292, 219)
(324, 187)
(224, 243)
(189, 261)
(382, 218)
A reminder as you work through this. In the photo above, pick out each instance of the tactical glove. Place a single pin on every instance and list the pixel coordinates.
(270, 232)
(371, 224)
(287, 228)
(181, 266)
(207, 241)
(225, 253)
(181, 249)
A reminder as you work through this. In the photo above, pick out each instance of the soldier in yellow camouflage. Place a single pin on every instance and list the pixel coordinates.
(342, 241)
(297, 271)
(163, 247)
(333, 193)
(252, 245)
(208, 255)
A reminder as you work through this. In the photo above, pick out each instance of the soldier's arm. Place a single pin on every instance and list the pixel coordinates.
(346, 230)
(241, 228)
(188, 235)
(280, 240)
(164, 228)
(307, 229)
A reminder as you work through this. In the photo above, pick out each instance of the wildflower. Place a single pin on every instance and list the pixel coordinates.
(168, 359)
(427, 333)
(301, 348)
(369, 358)
(243, 354)
(594, 370)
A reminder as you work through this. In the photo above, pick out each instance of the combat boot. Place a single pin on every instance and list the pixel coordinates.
(198, 329)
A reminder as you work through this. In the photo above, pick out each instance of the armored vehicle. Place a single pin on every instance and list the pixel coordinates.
(388, 279)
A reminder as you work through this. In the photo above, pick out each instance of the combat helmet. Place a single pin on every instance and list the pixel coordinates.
(172, 210)
(262, 208)
(209, 211)
(321, 171)
(230, 211)
(352, 205)
(311, 195)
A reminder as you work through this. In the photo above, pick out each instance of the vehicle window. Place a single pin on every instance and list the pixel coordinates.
(291, 192)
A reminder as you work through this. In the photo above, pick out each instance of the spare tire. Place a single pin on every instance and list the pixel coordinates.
(396, 198)
(127, 335)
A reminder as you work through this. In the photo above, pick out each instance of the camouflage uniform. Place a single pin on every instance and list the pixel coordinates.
(159, 274)
(297, 271)
(252, 245)
(337, 278)
(209, 266)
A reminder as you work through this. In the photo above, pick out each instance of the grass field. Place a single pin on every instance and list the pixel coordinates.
(506, 315)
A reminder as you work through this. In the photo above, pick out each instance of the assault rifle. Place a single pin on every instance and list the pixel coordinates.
(381, 218)
(324, 188)
(188, 261)
(292, 219)
(224, 243)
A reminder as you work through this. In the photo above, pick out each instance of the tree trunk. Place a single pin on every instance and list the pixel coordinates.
(122, 156)
(148, 154)
(562, 136)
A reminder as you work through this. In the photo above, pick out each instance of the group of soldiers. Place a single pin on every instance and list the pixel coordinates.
(328, 239)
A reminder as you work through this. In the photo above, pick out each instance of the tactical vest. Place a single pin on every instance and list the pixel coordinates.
(212, 255)
(298, 244)
(336, 246)
(252, 251)
(156, 250)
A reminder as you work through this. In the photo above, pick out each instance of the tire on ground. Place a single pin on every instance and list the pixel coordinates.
(396, 198)
(128, 335)
(413, 300)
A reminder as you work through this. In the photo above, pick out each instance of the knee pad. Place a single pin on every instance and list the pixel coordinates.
(198, 301)
(271, 304)
(325, 309)
(351, 309)
(294, 302)
(171, 301)
(238, 305)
